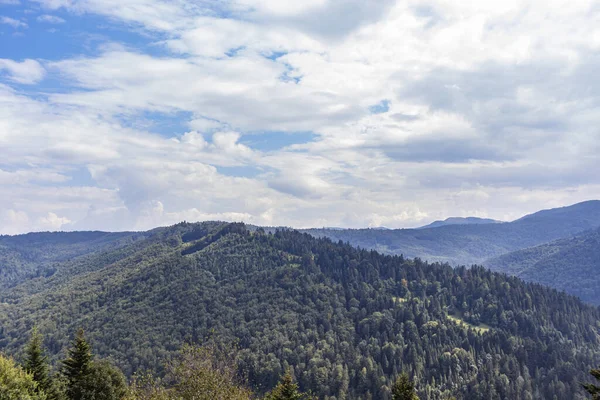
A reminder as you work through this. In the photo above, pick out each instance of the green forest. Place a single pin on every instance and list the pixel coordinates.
(196, 373)
(569, 264)
(340, 322)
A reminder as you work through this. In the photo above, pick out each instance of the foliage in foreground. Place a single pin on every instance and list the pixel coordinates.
(210, 372)
(80, 378)
(17, 384)
(404, 388)
(287, 389)
(36, 364)
(592, 389)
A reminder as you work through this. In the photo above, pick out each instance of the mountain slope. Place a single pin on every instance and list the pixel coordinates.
(471, 244)
(23, 257)
(572, 265)
(346, 320)
(461, 221)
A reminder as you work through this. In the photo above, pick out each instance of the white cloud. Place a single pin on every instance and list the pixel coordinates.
(25, 72)
(203, 124)
(280, 8)
(51, 19)
(52, 222)
(21, 177)
(13, 222)
(15, 23)
(493, 111)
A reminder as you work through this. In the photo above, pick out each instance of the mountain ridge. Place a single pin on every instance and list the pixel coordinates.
(460, 221)
(346, 320)
(569, 264)
(473, 244)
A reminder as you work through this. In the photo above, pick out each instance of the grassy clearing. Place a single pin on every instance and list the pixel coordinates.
(399, 300)
(481, 328)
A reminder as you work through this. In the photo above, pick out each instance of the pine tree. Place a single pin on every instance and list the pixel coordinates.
(36, 363)
(404, 388)
(591, 388)
(287, 389)
(77, 366)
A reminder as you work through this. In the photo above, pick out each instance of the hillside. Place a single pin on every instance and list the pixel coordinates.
(572, 265)
(473, 244)
(23, 257)
(346, 320)
(461, 221)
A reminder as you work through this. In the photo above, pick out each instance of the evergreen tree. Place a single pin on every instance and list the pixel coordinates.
(287, 389)
(77, 366)
(591, 388)
(36, 363)
(404, 388)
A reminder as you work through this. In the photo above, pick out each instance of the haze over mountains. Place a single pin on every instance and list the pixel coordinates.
(347, 321)
(571, 264)
(461, 221)
(475, 243)
(524, 247)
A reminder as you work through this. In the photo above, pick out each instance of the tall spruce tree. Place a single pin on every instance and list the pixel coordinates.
(77, 366)
(403, 388)
(36, 363)
(591, 388)
(287, 389)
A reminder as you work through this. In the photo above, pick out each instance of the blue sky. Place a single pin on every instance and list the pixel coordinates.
(128, 114)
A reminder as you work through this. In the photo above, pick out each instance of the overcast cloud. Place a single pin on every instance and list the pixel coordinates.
(376, 113)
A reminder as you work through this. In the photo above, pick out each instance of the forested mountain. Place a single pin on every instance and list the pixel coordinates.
(347, 321)
(572, 265)
(473, 244)
(23, 257)
(461, 221)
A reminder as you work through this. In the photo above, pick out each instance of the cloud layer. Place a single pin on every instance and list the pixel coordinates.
(380, 113)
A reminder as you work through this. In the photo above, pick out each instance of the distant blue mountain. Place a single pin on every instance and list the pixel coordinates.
(461, 221)
(474, 243)
(571, 264)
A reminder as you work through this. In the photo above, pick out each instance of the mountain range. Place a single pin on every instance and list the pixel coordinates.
(466, 244)
(461, 221)
(571, 264)
(345, 320)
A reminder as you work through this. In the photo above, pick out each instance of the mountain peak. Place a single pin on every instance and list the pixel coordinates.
(461, 221)
(578, 209)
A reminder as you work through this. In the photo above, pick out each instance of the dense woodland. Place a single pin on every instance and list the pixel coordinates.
(345, 321)
(196, 373)
(33, 255)
(568, 264)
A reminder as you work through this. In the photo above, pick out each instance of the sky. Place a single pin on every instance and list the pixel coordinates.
(132, 114)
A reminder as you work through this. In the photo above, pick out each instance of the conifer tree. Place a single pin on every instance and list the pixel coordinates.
(77, 366)
(36, 364)
(287, 389)
(404, 388)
